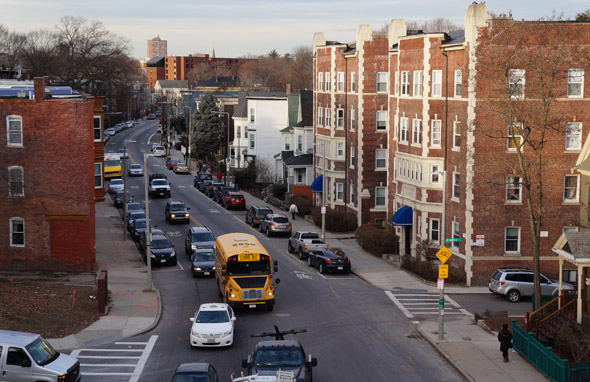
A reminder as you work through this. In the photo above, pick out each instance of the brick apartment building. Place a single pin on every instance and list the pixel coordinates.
(52, 156)
(426, 155)
(157, 47)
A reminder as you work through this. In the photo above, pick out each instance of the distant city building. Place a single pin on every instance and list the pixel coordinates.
(157, 47)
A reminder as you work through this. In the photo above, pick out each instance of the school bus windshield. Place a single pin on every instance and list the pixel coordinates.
(248, 268)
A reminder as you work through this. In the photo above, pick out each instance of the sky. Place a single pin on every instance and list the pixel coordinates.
(235, 28)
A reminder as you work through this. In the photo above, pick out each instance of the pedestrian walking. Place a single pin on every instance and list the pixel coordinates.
(293, 210)
(505, 338)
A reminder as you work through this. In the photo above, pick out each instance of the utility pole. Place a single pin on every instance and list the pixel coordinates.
(148, 230)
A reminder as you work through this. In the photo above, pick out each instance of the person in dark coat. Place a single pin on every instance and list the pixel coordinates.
(505, 338)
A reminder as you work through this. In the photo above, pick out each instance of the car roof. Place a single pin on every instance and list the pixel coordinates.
(17, 338)
(277, 215)
(192, 367)
(213, 306)
(515, 270)
(176, 202)
(262, 207)
(235, 193)
(116, 180)
(278, 343)
(135, 165)
(206, 249)
(200, 229)
(160, 237)
(134, 203)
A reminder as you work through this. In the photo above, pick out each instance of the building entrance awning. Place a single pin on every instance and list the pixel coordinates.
(403, 216)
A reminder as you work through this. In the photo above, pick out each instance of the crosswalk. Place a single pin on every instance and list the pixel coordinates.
(424, 304)
(122, 361)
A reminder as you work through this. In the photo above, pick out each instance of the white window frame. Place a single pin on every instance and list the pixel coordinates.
(517, 251)
(320, 116)
(458, 83)
(327, 117)
(321, 81)
(252, 114)
(434, 174)
(381, 120)
(431, 230)
(396, 83)
(381, 82)
(300, 142)
(287, 143)
(351, 164)
(405, 84)
(97, 129)
(98, 175)
(573, 136)
(457, 134)
(436, 83)
(513, 189)
(328, 83)
(340, 81)
(352, 119)
(252, 141)
(340, 149)
(567, 199)
(416, 131)
(436, 133)
(417, 85)
(378, 197)
(18, 131)
(21, 181)
(339, 118)
(351, 198)
(575, 78)
(456, 232)
(516, 83)
(381, 159)
(516, 138)
(11, 222)
(456, 195)
(353, 82)
(340, 191)
(404, 126)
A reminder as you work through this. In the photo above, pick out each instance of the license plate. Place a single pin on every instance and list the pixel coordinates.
(162, 261)
(210, 341)
(249, 257)
(340, 268)
(206, 273)
(252, 306)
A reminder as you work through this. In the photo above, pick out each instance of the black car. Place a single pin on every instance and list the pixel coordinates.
(138, 226)
(256, 213)
(219, 192)
(198, 237)
(201, 177)
(161, 249)
(203, 260)
(133, 206)
(210, 191)
(204, 185)
(271, 356)
(118, 199)
(195, 372)
(177, 212)
(329, 261)
(132, 216)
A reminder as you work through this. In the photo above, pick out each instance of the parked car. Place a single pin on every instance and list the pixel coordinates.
(257, 213)
(329, 261)
(118, 199)
(181, 168)
(200, 177)
(275, 224)
(515, 283)
(302, 242)
(218, 193)
(159, 151)
(110, 132)
(123, 153)
(161, 249)
(135, 169)
(198, 237)
(234, 200)
(204, 185)
(197, 372)
(171, 162)
(133, 206)
(116, 185)
(138, 226)
(211, 188)
(177, 212)
(203, 262)
(151, 116)
(213, 326)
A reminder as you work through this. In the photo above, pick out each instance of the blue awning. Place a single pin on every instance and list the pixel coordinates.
(403, 216)
(318, 184)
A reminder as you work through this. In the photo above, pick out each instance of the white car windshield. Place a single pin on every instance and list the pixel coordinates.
(115, 182)
(212, 317)
(160, 182)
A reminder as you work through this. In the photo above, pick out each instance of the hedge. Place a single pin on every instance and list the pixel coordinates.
(376, 240)
(336, 221)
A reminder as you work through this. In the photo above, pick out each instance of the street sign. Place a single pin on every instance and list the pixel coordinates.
(453, 240)
(440, 284)
(323, 210)
(480, 240)
(443, 254)
(443, 271)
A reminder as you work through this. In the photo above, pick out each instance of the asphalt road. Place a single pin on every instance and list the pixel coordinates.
(353, 329)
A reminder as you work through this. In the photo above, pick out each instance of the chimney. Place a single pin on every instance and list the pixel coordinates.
(288, 89)
(39, 84)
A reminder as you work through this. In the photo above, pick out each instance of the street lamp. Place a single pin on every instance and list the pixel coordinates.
(148, 241)
(226, 157)
(441, 296)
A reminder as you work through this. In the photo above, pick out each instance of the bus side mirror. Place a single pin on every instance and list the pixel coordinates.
(276, 264)
(277, 281)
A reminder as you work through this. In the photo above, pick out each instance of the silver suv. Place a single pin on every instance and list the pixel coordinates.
(515, 283)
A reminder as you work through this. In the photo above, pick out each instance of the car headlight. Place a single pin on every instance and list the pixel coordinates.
(213, 268)
(186, 215)
(194, 247)
(196, 334)
(227, 333)
(172, 216)
(197, 268)
(233, 295)
(153, 256)
(173, 253)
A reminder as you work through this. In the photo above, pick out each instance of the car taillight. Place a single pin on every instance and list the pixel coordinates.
(272, 224)
(348, 261)
(328, 261)
(501, 282)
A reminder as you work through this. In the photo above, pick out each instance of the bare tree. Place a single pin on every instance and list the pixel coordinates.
(11, 47)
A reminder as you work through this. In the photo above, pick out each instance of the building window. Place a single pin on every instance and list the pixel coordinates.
(381, 120)
(14, 131)
(320, 81)
(328, 117)
(17, 232)
(573, 136)
(98, 175)
(252, 140)
(458, 83)
(328, 84)
(340, 118)
(97, 129)
(300, 142)
(351, 199)
(405, 84)
(320, 116)
(457, 135)
(382, 82)
(339, 191)
(456, 185)
(513, 189)
(287, 143)
(380, 159)
(403, 129)
(352, 119)
(575, 83)
(16, 181)
(435, 230)
(353, 82)
(434, 174)
(516, 81)
(299, 177)
(252, 115)
(340, 149)
(396, 84)
(514, 136)
(435, 132)
(436, 83)
(571, 186)
(417, 131)
(351, 156)
(512, 240)
(380, 196)
(340, 82)
(238, 131)
(456, 234)
(417, 92)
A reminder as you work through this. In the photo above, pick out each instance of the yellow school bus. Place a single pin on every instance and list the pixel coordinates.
(112, 165)
(244, 271)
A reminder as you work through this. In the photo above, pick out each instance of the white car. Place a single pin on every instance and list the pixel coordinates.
(135, 169)
(213, 326)
(159, 151)
(116, 185)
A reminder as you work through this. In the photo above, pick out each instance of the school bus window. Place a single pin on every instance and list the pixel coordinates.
(243, 268)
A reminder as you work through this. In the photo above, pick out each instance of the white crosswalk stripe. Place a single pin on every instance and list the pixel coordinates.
(123, 361)
(424, 304)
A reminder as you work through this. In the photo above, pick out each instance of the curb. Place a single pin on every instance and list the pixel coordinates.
(156, 321)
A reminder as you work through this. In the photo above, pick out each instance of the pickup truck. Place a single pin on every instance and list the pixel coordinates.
(303, 242)
(159, 187)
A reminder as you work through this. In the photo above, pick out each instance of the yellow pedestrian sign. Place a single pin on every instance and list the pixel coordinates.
(443, 271)
(443, 254)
